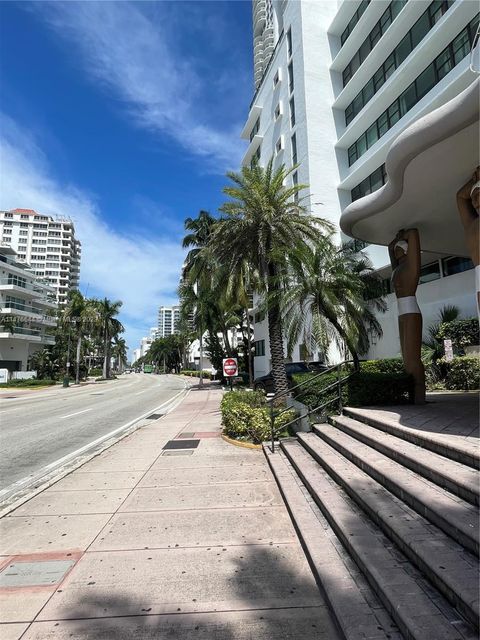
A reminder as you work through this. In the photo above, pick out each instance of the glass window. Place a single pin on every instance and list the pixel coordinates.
(357, 103)
(385, 21)
(290, 77)
(363, 51)
(372, 135)
(389, 66)
(376, 179)
(346, 75)
(420, 29)
(393, 113)
(403, 49)
(289, 42)
(375, 35)
(382, 124)
(461, 46)
(443, 63)
(456, 265)
(429, 272)
(378, 79)
(368, 91)
(355, 193)
(260, 347)
(407, 99)
(352, 154)
(396, 7)
(425, 81)
(361, 145)
(292, 112)
(294, 148)
(349, 114)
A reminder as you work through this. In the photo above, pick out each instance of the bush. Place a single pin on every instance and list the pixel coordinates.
(463, 374)
(363, 388)
(95, 372)
(32, 382)
(388, 365)
(195, 374)
(462, 333)
(246, 416)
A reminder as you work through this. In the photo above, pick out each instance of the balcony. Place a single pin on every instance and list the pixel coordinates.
(27, 333)
(253, 116)
(252, 149)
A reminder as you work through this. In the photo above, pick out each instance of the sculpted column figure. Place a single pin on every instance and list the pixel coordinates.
(404, 253)
(468, 203)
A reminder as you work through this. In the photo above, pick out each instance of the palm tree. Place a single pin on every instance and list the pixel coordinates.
(325, 297)
(432, 348)
(119, 352)
(81, 314)
(109, 327)
(263, 223)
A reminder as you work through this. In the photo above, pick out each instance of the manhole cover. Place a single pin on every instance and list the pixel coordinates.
(183, 452)
(182, 444)
(155, 416)
(186, 434)
(30, 574)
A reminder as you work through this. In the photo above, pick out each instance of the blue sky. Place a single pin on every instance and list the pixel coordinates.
(125, 117)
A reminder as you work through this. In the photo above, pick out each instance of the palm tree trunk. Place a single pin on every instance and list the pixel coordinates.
(105, 355)
(77, 367)
(249, 349)
(275, 335)
(348, 342)
(200, 380)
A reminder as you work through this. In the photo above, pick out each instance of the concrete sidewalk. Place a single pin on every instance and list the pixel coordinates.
(147, 542)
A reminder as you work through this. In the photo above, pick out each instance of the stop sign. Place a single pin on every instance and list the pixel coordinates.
(230, 367)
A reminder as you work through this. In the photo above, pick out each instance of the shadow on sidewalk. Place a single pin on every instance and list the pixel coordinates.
(263, 597)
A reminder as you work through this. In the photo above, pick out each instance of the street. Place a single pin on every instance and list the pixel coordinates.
(42, 428)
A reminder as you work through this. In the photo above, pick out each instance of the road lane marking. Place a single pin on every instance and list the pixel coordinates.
(70, 415)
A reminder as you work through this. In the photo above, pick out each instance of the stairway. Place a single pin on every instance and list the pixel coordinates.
(389, 521)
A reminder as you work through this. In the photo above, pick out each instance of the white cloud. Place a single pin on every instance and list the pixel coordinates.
(142, 272)
(132, 54)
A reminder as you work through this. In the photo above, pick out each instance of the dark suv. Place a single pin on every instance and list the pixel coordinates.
(266, 382)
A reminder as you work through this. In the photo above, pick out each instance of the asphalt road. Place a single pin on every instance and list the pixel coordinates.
(39, 429)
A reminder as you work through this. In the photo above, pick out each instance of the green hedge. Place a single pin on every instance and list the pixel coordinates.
(246, 416)
(196, 374)
(463, 373)
(462, 333)
(388, 365)
(95, 371)
(362, 389)
(32, 382)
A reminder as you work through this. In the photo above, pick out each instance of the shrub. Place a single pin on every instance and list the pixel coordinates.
(388, 365)
(32, 382)
(363, 388)
(246, 416)
(195, 374)
(462, 333)
(463, 374)
(95, 372)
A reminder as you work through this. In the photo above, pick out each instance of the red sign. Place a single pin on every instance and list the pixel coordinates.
(230, 367)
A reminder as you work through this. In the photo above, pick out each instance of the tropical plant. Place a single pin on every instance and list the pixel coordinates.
(262, 224)
(110, 326)
(80, 314)
(45, 364)
(432, 347)
(119, 352)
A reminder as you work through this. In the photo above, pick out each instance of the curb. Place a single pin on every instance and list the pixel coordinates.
(238, 443)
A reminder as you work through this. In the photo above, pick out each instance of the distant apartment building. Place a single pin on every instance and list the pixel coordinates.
(27, 312)
(168, 318)
(336, 83)
(47, 244)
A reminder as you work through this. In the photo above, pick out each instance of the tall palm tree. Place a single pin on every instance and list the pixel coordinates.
(326, 293)
(79, 313)
(109, 327)
(263, 223)
(119, 352)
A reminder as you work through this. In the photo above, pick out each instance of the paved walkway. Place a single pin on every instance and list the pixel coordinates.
(146, 542)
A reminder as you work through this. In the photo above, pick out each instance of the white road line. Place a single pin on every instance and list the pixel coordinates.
(75, 414)
(139, 392)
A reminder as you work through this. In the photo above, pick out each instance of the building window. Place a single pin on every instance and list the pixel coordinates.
(24, 224)
(259, 347)
(353, 21)
(371, 183)
(290, 77)
(429, 272)
(455, 264)
(24, 216)
(279, 145)
(388, 16)
(8, 224)
(253, 133)
(295, 184)
(278, 110)
(426, 21)
(292, 112)
(8, 215)
(289, 43)
(277, 77)
(22, 240)
(294, 148)
(7, 231)
(414, 92)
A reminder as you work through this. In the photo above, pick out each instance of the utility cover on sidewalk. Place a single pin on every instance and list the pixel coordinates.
(155, 416)
(182, 444)
(32, 574)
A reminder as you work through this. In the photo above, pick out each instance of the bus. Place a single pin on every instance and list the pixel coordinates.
(148, 368)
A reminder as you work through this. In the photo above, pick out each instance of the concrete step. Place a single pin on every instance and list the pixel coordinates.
(454, 516)
(457, 478)
(452, 570)
(420, 612)
(458, 450)
(358, 612)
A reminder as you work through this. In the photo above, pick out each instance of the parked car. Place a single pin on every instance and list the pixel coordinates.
(266, 383)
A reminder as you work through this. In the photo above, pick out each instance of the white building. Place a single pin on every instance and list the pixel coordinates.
(168, 318)
(27, 312)
(47, 244)
(342, 81)
(136, 355)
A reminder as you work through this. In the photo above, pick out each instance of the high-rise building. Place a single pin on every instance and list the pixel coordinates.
(168, 318)
(47, 244)
(338, 87)
(27, 312)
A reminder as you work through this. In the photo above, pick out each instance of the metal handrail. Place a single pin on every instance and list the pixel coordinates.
(337, 398)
